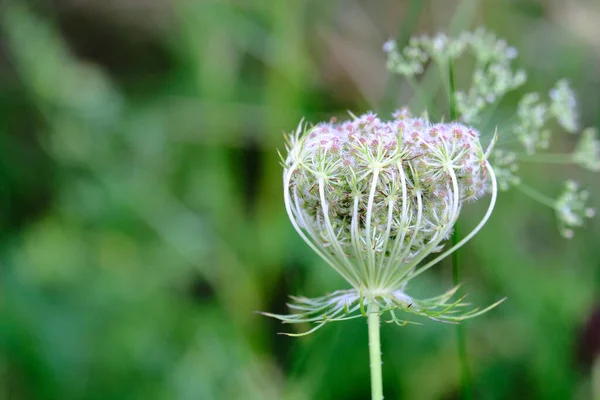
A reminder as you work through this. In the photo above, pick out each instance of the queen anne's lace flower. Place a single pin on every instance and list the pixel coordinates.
(374, 198)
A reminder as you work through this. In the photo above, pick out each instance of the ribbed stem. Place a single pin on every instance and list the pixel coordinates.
(375, 351)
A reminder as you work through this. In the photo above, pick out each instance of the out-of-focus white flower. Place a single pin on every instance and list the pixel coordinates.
(506, 166)
(532, 117)
(563, 106)
(571, 209)
(587, 151)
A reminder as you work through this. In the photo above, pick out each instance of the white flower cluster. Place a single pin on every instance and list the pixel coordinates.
(376, 197)
(493, 76)
(587, 151)
(408, 63)
(571, 208)
(531, 126)
(533, 116)
(563, 106)
(506, 167)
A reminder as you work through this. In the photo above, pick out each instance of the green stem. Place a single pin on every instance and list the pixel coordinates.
(375, 351)
(548, 158)
(407, 26)
(461, 341)
(596, 379)
(537, 196)
(451, 90)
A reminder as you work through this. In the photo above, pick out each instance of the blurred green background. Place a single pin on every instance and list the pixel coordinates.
(142, 220)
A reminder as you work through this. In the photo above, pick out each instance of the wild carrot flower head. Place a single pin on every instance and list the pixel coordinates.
(373, 198)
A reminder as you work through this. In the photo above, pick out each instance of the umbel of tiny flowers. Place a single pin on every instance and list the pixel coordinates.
(373, 199)
(493, 76)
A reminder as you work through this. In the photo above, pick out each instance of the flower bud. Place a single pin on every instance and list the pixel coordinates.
(374, 198)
